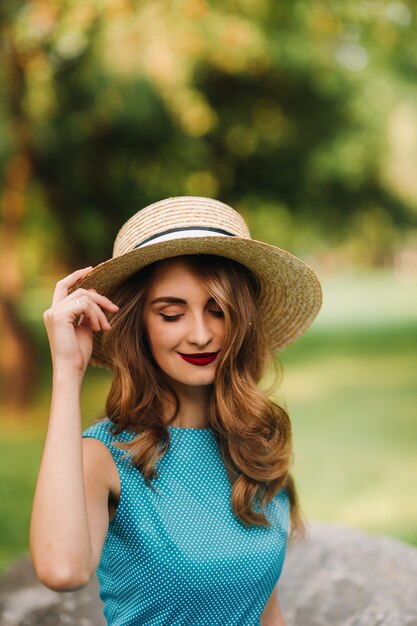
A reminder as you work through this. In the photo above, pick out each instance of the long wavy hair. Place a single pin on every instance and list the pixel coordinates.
(253, 431)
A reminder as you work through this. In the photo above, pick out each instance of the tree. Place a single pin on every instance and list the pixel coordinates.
(280, 108)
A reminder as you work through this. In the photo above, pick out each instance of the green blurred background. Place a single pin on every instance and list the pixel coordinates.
(303, 116)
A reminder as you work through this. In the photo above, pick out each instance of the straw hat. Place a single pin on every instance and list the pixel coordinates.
(290, 290)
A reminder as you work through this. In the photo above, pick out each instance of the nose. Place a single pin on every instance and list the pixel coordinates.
(200, 332)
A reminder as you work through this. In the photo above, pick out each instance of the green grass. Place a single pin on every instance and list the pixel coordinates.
(353, 404)
(350, 385)
(19, 456)
(351, 388)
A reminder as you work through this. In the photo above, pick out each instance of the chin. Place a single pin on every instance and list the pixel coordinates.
(197, 383)
(194, 381)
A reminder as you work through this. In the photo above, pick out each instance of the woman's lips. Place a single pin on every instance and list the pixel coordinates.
(205, 358)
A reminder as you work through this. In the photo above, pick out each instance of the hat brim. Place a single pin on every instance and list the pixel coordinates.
(291, 294)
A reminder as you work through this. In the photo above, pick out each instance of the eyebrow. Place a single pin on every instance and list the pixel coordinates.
(172, 300)
(169, 300)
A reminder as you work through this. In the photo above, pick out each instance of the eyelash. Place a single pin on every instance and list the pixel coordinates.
(174, 318)
(170, 318)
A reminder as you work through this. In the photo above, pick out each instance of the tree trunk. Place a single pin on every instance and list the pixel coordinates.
(18, 355)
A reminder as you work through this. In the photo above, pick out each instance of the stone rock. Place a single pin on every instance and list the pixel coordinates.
(24, 601)
(339, 576)
(344, 577)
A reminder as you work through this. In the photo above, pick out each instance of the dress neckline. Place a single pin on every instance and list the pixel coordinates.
(189, 429)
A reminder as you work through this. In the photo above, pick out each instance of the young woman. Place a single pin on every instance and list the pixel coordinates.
(181, 495)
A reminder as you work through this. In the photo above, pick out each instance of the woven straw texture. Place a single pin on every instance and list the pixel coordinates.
(177, 213)
(290, 291)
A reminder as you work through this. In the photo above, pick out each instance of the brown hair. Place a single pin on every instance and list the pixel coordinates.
(253, 432)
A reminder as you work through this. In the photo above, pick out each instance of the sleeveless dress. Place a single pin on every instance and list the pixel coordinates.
(177, 554)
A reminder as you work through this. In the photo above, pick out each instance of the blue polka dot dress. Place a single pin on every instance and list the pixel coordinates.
(178, 555)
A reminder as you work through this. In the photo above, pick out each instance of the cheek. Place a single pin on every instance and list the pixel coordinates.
(163, 336)
(221, 330)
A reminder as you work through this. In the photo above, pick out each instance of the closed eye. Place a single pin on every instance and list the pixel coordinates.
(217, 313)
(170, 318)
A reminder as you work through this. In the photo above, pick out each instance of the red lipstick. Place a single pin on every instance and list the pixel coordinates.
(204, 358)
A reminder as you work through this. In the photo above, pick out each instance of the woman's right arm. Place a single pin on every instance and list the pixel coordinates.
(66, 531)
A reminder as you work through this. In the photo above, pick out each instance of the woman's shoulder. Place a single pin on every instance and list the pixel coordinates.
(101, 429)
(105, 430)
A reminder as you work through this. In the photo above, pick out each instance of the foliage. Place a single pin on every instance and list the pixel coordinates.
(285, 109)
(301, 115)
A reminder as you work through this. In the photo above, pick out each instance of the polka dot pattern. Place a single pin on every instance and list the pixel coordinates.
(177, 554)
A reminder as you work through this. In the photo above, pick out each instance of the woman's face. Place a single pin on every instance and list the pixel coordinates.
(185, 326)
